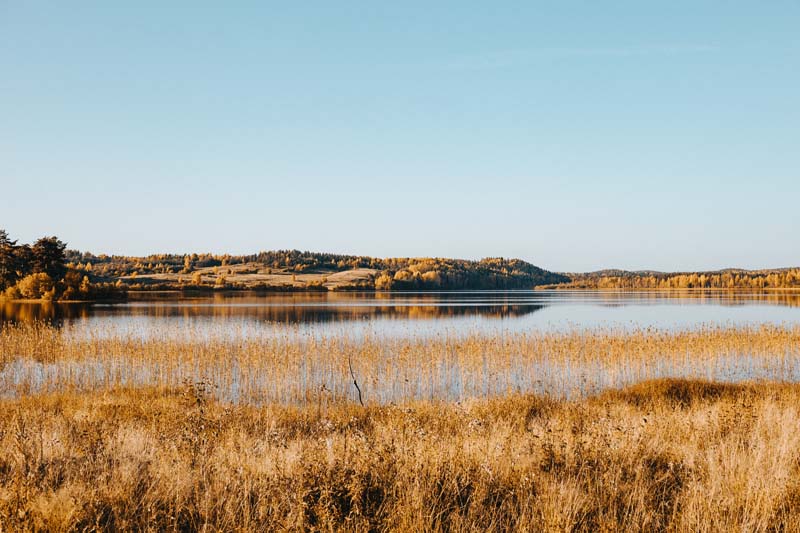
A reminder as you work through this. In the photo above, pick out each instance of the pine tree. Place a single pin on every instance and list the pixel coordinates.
(49, 257)
(8, 261)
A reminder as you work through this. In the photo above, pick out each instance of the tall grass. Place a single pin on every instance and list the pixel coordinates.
(660, 456)
(304, 369)
(561, 431)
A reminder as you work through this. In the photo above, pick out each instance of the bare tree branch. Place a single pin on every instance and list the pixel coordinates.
(350, 364)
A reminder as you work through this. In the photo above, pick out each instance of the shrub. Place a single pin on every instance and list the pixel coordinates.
(383, 282)
(35, 286)
(432, 278)
(12, 293)
(403, 275)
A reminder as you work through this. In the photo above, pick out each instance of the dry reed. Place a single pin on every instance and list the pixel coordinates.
(297, 368)
(171, 432)
(668, 455)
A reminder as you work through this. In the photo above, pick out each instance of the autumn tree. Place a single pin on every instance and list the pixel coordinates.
(383, 282)
(39, 285)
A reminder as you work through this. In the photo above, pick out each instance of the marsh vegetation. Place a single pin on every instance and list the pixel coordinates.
(666, 455)
(296, 369)
(581, 430)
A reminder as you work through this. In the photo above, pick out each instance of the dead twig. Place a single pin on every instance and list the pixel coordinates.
(352, 375)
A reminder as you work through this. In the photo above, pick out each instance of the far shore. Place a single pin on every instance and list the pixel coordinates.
(206, 291)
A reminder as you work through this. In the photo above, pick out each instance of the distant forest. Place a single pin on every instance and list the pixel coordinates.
(785, 278)
(386, 274)
(46, 269)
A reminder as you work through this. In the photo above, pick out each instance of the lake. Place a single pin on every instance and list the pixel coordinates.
(414, 314)
(299, 347)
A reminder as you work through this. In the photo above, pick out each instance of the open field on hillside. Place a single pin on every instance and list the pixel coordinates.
(254, 275)
(659, 456)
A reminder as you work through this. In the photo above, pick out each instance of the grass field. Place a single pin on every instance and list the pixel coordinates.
(115, 432)
(665, 455)
(252, 275)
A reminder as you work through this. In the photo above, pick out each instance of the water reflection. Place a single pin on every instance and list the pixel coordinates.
(418, 311)
(49, 312)
(291, 310)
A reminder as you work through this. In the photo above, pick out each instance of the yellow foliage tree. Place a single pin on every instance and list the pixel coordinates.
(36, 286)
(383, 282)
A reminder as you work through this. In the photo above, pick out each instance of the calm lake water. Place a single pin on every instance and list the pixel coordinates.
(415, 314)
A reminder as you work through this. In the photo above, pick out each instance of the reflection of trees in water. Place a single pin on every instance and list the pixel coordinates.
(306, 314)
(49, 312)
(302, 312)
(619, 298)
(333, 307)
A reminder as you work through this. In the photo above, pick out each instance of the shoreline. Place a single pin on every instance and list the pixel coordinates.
(178, 293)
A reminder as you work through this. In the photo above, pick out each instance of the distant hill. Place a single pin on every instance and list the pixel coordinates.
(44, 269)
(296, 270)
(288, 270)
(612, 272)
(731, 278)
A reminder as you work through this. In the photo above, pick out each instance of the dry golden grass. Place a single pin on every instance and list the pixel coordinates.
(299, 368)
(664, 455)
(229, 432)
(255, 274)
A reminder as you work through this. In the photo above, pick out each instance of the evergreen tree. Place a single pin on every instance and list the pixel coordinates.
(49, 257)
(8, 261)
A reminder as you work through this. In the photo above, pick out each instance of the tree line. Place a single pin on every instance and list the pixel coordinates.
(391, 273)
(47, 269)
(488, 273)
(40, 271)
(786, 278)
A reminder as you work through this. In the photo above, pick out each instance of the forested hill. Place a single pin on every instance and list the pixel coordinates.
(296, 270)
(46, 269)
(731, 278)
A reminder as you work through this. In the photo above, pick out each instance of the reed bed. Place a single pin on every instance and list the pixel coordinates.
(576, 431)
(302, 368)
(669, 455)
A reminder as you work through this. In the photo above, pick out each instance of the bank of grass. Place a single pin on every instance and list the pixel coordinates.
(173, 431)
(664, 455)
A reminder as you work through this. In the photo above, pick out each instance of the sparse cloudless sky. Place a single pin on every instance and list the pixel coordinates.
(575, 135)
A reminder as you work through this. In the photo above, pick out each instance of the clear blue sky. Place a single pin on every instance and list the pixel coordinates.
(576, 135)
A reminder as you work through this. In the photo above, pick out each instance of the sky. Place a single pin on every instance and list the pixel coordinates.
(574, 135)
